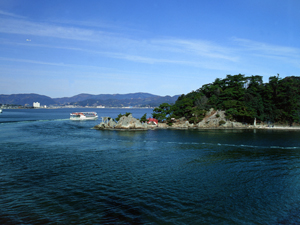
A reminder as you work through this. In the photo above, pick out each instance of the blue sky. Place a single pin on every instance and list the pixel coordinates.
(164, 47)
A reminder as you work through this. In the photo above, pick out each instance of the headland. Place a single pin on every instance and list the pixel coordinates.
(214, 120)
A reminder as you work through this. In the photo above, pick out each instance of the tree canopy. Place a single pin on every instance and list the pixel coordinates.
(244, 99)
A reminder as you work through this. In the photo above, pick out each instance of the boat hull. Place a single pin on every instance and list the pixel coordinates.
(83, 116)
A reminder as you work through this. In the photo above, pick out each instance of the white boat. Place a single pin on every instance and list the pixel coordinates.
(0, 110)
(83, 116)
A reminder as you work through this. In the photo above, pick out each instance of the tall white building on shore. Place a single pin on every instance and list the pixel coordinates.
(36, 105)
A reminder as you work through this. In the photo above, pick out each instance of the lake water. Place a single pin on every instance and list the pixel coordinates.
(57, 171)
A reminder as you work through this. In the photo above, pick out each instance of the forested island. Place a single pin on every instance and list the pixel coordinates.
(244, 99)
(234, 102)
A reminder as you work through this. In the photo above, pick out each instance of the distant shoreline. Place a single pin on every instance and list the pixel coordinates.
(77, 108)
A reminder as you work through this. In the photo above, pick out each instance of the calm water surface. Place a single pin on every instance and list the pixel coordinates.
(57, 171)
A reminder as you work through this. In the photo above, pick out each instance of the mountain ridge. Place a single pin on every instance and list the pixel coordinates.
(138, 99)
(85, 96)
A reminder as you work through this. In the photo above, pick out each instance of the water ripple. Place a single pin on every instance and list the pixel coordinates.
(58, 172)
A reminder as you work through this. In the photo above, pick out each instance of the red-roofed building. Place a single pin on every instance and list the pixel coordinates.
(152, 121)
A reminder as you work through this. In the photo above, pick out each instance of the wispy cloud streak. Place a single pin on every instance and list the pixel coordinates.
(199, 47)
(32, 61)
(14, 26)
(3, 13)
(118, 45)
(267, 49)
(284, 54)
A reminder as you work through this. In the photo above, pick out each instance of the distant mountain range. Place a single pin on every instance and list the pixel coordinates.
(109, 100)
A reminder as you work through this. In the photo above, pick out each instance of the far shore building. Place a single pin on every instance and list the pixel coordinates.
(36, 105)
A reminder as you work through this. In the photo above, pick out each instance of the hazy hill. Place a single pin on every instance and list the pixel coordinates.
(83, 97)
(22, 99)
(137, 102)
(108, 100)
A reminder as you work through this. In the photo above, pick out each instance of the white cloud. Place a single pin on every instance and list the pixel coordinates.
(3, 13)
(119, 45)
(267, 49)
(199, 47)
(15, 26)
(278, 53)
(33, 61)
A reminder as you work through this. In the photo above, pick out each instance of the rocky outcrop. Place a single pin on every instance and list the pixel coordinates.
(181, 123)
(162, 126)
(213, 119)
(128, 122)
(217, 119)
(124, 123)
(231, 124)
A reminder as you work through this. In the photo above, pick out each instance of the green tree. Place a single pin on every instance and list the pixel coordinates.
(288, 99)
(232, 97)
(183, 107)
(120, 115)
(144, 118)
(253, 99)
(162, 112)
(244, 99)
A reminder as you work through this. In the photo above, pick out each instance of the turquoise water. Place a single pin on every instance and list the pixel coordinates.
(57, 171)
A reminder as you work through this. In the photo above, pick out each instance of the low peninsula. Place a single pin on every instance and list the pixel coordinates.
(213, 120)
(234, 102)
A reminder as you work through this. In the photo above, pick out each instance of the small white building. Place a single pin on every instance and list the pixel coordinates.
(36, 105)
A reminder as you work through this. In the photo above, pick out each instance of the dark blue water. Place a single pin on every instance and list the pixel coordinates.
(57, 171)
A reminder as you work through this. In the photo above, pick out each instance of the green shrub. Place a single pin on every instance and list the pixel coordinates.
(144, 118)
(120, 115)
(221, 122)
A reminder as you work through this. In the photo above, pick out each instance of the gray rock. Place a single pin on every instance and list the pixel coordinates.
(212, 119)
(101, 126)
(139, 125)
(128, 122)
(208, 113)
(111, 123)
